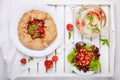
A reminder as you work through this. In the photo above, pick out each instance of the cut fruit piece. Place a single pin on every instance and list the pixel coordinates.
(48, 64)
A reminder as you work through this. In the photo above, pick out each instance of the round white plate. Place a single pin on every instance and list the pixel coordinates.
(14, 31)
(74, 68)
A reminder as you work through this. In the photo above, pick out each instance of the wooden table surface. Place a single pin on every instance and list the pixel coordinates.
(4, 34)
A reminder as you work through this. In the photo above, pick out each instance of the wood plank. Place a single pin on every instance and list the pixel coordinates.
(52, 70)
(104, 49)
(77, 35)
(75, 2)
(68, 19)
(86, 39)
(70, 75)
(23, 68)
(60, 62)
(32, 67)
(112, 38)
(41, 66)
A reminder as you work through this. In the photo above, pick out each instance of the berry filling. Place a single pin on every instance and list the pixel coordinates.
(36, 28)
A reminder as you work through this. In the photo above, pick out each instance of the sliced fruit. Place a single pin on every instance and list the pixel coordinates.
(41, 29)
(42, 35)
(94, 13)
(48, 64)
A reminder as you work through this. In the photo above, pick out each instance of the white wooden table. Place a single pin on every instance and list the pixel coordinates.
(60, 68)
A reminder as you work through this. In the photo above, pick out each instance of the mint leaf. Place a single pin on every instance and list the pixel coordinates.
(69, 35)
(30, 59)
(87, 47)
(90, 18)
(96, 29)
(37, 35)
(105, 42)
(35, 26)
(30, 29)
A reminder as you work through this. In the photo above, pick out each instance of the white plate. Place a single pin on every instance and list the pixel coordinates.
(14, 30)
(74, 68)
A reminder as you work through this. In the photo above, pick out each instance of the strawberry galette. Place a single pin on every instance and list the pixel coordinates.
(36, 29)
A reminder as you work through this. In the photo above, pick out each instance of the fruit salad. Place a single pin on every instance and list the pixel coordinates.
(84, 57)
(90, 20)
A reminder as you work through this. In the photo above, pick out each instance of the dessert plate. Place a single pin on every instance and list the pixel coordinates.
(14, 31)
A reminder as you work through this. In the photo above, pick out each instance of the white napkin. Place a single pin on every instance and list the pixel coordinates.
(12, 58)
(9, 52)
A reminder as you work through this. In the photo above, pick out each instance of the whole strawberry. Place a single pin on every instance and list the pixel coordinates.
(48, 64)
(23, 60)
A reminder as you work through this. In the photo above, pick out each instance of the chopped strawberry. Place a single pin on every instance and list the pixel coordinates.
(55, 58)
(33, 22)
(32, 36)
(41, 23)
(42, 35)
(41, 29)
(77, 22)
(83, 23)
(94, 13)
(23, 61)
(48, 64)
(69, 27)
(36, 31)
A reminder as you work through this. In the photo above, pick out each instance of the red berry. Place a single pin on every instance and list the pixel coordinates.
(55, 58)
(41, 24)
(69, 27)
(36, 31)
(32, 36)
(77, 22)
(41, 29)
(33, 22)
(42, 35)
(23, 61)
(48, 64)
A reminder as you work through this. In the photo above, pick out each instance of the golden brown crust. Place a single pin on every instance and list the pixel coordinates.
(37, 43)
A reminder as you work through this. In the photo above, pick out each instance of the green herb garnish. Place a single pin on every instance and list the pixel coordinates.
(35, 26)
(94, 64)
(30, 59)
(96, 29)
(69, 35)
(37, 35)
(30, 29)
(105, 42)
(87, 47)
(90, 18)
